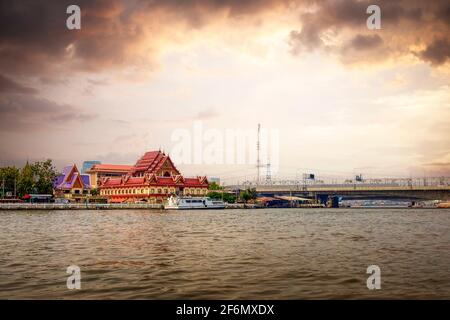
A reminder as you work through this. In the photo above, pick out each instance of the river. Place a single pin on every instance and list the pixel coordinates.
(228, 254)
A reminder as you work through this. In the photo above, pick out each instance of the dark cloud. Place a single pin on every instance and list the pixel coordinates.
(404, 24)
(365, 42)
(119, 34)
(438, 52)
(309, 38)
(26, 112)
(9, 86)
(34, 38)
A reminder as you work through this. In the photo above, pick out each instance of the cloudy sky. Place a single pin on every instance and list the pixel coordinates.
(344, 99)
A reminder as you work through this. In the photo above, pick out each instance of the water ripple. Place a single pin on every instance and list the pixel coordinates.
(235, 254)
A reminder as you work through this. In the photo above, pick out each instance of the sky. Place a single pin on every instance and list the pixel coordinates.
(341, 98)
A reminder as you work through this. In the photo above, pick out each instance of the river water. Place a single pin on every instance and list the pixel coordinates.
(228, 254)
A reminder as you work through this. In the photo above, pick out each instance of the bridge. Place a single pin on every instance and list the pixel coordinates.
(354, 191)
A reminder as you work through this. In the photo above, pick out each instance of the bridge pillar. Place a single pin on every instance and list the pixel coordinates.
(333, 202)
(322, 198)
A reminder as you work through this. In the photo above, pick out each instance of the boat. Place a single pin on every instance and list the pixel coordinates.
(443, 205)
(186, 203)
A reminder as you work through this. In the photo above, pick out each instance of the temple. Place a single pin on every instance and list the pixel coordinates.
(72, 185)
(152, 179)
(100, 171)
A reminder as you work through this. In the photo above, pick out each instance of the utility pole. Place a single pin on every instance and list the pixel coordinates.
(258, 162)
(268, 173)
(3, 185)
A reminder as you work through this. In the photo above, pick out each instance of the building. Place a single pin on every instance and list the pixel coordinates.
(100, 171)
(88, 164)
(72, 185)
(152, 179)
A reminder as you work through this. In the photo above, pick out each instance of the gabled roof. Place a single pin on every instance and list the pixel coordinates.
(69, 177)
(152, 161)
(199, 181)
(110, 182)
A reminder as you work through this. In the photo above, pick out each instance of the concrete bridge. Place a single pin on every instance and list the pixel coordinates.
(355, 191)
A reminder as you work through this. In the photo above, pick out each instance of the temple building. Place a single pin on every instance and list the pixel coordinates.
(152, 179)
(100, 171)
(72, 185)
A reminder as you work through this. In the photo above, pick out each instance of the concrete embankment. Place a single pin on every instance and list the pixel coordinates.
(77, 206)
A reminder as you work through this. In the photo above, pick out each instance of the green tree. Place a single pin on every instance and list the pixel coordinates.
(214, 186)
(247, 195)
(227, 197)
(44, 175)
(95, 192)
(9, 177)
(26, 180)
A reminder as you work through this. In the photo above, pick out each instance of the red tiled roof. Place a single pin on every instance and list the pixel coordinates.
(159, 181)
(195, 182)
(109, 182)
(135, 180)
(151, 162)
(144, 173)
(165, 181)
(111, 167)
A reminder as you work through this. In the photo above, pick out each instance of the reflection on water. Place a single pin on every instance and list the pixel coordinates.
(232, 254)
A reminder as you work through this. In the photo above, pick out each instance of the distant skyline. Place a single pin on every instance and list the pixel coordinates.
(345, 99)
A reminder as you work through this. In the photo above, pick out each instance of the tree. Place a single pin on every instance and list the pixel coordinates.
(44, 174)
(26, 181)
(227, 197)
(214, 186)
(95, 192)
(9, 177)
(249, 194)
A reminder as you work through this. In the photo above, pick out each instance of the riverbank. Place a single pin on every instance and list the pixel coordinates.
(147, 206)
(108, 206)
(79, 206)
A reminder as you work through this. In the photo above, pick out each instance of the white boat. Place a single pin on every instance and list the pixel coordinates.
(185, 203)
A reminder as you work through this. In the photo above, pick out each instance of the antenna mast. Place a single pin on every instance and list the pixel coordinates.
(258, 161)
(268, 173)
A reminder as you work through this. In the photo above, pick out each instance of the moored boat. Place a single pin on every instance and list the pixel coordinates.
(186, 203)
